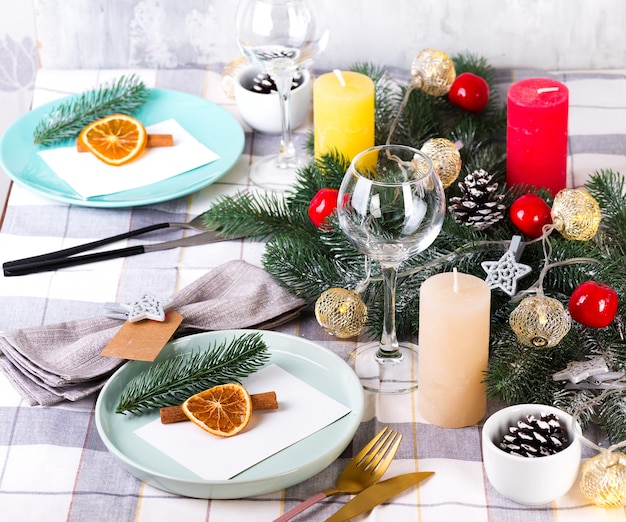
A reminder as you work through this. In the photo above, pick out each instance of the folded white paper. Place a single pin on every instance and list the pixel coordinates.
(302, 411)
(90, 177)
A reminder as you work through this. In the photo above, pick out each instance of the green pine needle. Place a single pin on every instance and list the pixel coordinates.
(258, 216)
(608, 189)
(67, 119)
(173, 381)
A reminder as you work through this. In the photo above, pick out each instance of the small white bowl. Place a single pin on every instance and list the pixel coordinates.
(530, 481)
(262, 111)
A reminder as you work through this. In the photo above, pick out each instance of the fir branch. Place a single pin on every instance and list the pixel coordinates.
(257, 215)
(339, 248)
(376, 72)
(326, 172)
(575, 400)
(611, 415)
(418, 120)
(67, 119)
(309, 270)
(608, 189)
(521, 374)
(172, 381)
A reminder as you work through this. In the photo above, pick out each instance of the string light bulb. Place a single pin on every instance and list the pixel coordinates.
(540, 321)
(433, 72)
(603, 477)
(576, 214)
(603, 480)
(341, 312)
(446, 159)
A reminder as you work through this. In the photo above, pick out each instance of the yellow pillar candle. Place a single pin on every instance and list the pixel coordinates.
(453, 353)
(343, 113)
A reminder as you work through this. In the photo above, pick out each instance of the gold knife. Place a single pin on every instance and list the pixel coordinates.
(377, 494)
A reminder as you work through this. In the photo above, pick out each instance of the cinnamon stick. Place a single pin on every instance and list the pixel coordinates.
(154, 140)
(264, 401)
(260, 401)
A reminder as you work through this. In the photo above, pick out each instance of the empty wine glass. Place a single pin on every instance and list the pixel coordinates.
(280, 36)
(391, 206)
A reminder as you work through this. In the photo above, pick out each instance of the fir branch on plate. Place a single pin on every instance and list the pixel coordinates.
(172, 381)
(67, 119)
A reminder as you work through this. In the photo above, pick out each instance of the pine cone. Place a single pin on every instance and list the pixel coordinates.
(480, 205)
(264, 84)
(534, 437)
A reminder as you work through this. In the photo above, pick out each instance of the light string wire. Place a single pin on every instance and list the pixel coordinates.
(396, 118)
(537, 287)
(445, 257)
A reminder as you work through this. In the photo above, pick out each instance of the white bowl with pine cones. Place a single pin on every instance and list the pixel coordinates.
(531, 453)
(258, 102)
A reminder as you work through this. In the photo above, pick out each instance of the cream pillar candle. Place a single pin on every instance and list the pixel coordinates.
(453, 349)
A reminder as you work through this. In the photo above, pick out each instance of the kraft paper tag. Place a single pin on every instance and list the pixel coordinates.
(143, 340)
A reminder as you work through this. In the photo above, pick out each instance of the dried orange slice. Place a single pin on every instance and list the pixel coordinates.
(115, 139)
(223, 410)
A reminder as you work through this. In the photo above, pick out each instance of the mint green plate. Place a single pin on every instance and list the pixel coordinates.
(209, 123)
(308, 361)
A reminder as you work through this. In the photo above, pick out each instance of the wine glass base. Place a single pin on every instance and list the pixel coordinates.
(270, 174)
(385, 375)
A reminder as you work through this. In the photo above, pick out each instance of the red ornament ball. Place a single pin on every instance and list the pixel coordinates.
(323, 204)
(470, 92)
(593, 304)
(529, 213)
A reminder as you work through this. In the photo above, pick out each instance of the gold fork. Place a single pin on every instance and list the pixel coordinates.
(366, 468)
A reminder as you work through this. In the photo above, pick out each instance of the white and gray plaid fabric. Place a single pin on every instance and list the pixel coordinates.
(53, 465)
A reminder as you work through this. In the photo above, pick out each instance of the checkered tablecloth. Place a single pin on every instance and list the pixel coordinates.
(53, 465)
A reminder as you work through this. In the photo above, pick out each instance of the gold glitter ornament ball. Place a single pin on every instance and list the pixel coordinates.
(433, 72)
(603, 480)
(230, 72)
(540, 322)
(446, 159)
(576, 214)
(341, 312)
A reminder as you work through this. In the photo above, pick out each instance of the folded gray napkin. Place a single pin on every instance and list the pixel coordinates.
(49, 364)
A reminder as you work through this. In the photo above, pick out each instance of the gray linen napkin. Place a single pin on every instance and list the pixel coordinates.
(49, 364)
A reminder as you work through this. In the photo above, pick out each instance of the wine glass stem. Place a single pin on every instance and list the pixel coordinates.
(389, 343)
(287, 154)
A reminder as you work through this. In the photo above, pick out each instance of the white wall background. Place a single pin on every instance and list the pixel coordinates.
(552, 34)
(539, 34)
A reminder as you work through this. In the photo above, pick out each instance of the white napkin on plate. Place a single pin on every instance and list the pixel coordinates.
(90, 177)
(302, 411)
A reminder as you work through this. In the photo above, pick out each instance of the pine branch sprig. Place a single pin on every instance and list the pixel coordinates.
(608, 189)
(172, 381)
(575, 400)
(306, 273)
(326, 171)
(66, 120)
(254, 215)
(611, 415)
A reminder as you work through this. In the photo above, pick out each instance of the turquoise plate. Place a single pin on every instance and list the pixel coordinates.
(308, 361)
(209, 123)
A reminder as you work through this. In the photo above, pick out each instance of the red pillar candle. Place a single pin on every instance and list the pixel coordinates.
(536, 137)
